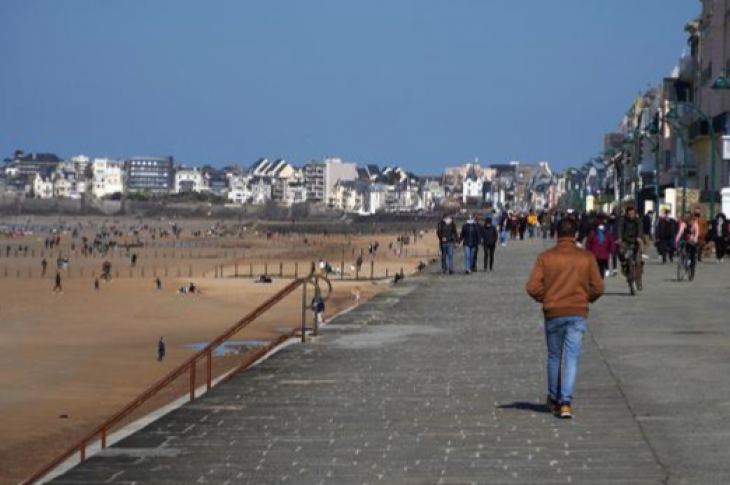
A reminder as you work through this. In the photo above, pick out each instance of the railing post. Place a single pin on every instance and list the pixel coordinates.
(304, 311)
(296, 270)
(82, 451)
(209, 376)
(192, 380)
(103, 438)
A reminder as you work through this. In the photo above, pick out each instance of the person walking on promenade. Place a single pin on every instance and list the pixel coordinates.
(448, 238)
(489, 239)
(531, 223)
(647, 224)
(602, 245)
(470, 239)
(664, 236)
(503, 227)
(721, 230)
(703, 226)
(58, 288)
(565, 280)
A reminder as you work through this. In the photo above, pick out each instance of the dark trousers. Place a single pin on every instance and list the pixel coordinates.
(666, 249)
(720, 247)
(474, 254)
(602, 267)
(489, 257)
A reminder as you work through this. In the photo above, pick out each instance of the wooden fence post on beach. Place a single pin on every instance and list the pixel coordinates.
(372, 269)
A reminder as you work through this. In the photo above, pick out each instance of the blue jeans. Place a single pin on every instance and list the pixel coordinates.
(503, 236)
(447, 256)
(564, 339)
(468, 257)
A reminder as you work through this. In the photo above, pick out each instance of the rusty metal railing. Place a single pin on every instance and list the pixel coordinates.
(101, 433)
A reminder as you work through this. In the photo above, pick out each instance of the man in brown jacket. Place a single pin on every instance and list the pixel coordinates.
(565, 280)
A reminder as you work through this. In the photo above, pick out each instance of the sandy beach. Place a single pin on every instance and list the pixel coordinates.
(69, 360)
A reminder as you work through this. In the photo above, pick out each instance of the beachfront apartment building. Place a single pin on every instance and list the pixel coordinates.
(107, 177)
(189, 180)
(320, 178)
(42, 186)
(150, 174)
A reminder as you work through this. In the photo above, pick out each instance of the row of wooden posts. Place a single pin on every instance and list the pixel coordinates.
(368, 272)
(122, 254)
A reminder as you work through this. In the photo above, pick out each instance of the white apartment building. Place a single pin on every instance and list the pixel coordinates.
(472, 188)
(190, 180)
(42, 187)
(107, 177)
(321, 178)
(66, 186)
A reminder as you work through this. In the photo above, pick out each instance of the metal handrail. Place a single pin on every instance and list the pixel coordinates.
(189, 365)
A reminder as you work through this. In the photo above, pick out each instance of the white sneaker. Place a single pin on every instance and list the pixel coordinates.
(607, 273)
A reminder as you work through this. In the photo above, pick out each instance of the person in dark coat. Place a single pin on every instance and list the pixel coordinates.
(448, 238)
(470, 238)
(664, 236)
(489, 239)
(721, 231)
(161, 349)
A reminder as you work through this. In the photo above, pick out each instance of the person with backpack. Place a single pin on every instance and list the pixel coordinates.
(601, 244)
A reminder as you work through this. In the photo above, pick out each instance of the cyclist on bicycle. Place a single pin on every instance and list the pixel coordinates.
(631, 235)
(689, 236)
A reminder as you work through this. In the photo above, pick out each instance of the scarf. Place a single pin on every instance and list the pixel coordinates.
(601, 235)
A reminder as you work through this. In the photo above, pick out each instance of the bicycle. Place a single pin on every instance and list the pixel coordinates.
(631, 271)
(685, 268)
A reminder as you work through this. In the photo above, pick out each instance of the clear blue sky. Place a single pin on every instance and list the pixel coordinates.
(420, 83)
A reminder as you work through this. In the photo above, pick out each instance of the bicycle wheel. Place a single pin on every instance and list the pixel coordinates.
(630, 276)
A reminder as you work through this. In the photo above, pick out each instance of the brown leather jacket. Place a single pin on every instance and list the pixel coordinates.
(565, 280)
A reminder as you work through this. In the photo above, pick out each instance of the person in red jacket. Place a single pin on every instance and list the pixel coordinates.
(602, 244)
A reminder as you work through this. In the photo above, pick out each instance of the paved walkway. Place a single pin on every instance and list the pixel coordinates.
(441, 380)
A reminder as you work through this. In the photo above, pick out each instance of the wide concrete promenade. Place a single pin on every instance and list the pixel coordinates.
(441, 380)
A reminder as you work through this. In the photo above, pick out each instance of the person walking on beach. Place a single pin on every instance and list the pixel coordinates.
(564, 280)
(448, 238)
(58, 288)
(161, 349)
(158, 282)
(489, 239)
(44, 267)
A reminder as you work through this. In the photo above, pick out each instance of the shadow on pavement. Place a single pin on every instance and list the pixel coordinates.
(526, 406)
(616, 294)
